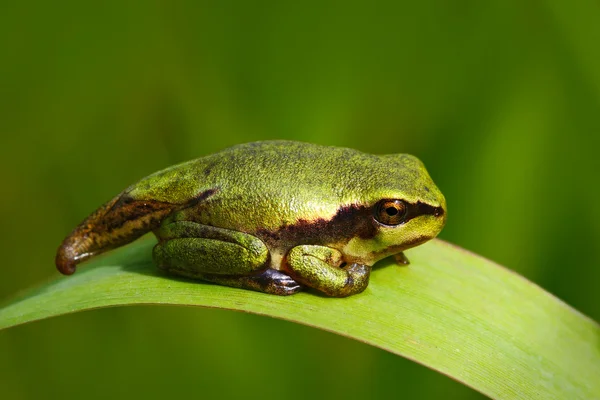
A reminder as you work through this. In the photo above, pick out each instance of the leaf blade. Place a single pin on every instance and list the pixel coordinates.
(450, 310)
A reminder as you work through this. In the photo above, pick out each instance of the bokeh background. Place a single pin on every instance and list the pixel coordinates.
(500, 99)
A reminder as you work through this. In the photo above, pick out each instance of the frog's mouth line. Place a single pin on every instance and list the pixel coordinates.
(401, 247)
(415, 242)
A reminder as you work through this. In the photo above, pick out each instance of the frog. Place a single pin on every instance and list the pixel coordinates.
(273, 216)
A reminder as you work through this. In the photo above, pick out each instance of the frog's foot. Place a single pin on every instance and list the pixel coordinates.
(269, 281)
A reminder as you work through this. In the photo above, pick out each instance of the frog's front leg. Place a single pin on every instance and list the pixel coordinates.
(319, 268)
(219, 255)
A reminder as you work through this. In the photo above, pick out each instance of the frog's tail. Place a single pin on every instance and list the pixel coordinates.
(116, 223)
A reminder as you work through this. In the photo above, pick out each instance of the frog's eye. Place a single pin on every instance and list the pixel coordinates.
(390, 212)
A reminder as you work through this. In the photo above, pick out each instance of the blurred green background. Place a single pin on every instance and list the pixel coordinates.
(500, 99)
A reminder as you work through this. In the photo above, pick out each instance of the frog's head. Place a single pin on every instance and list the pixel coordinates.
(405, 207)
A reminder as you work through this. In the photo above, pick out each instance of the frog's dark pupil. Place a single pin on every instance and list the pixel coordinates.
(391, 211)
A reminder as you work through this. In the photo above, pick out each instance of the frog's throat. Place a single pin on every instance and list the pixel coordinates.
(116, 223)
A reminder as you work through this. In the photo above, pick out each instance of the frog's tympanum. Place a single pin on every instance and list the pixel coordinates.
(273, 216)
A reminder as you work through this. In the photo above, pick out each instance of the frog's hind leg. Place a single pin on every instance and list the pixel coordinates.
(219, 255)
(269, 281)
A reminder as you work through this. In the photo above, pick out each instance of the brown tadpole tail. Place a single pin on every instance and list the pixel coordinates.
(65, 263)
(116, 223)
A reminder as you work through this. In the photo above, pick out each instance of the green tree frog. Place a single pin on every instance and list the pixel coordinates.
(271, 216)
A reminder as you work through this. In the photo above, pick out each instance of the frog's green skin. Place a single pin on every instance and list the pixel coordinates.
(272, 216)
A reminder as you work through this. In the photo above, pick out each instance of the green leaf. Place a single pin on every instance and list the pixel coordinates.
(450, 310)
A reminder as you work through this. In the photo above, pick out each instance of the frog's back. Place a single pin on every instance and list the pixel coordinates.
(262, 185)
(272, 183)
(258, 165)
(286, 166)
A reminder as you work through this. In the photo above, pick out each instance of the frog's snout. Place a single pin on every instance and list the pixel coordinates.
(442, 211)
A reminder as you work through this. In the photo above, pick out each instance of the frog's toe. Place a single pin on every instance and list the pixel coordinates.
(276, 282)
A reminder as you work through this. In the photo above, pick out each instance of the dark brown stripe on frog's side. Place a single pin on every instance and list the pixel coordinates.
(349, 221)
(418, 209)
(118, 222)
